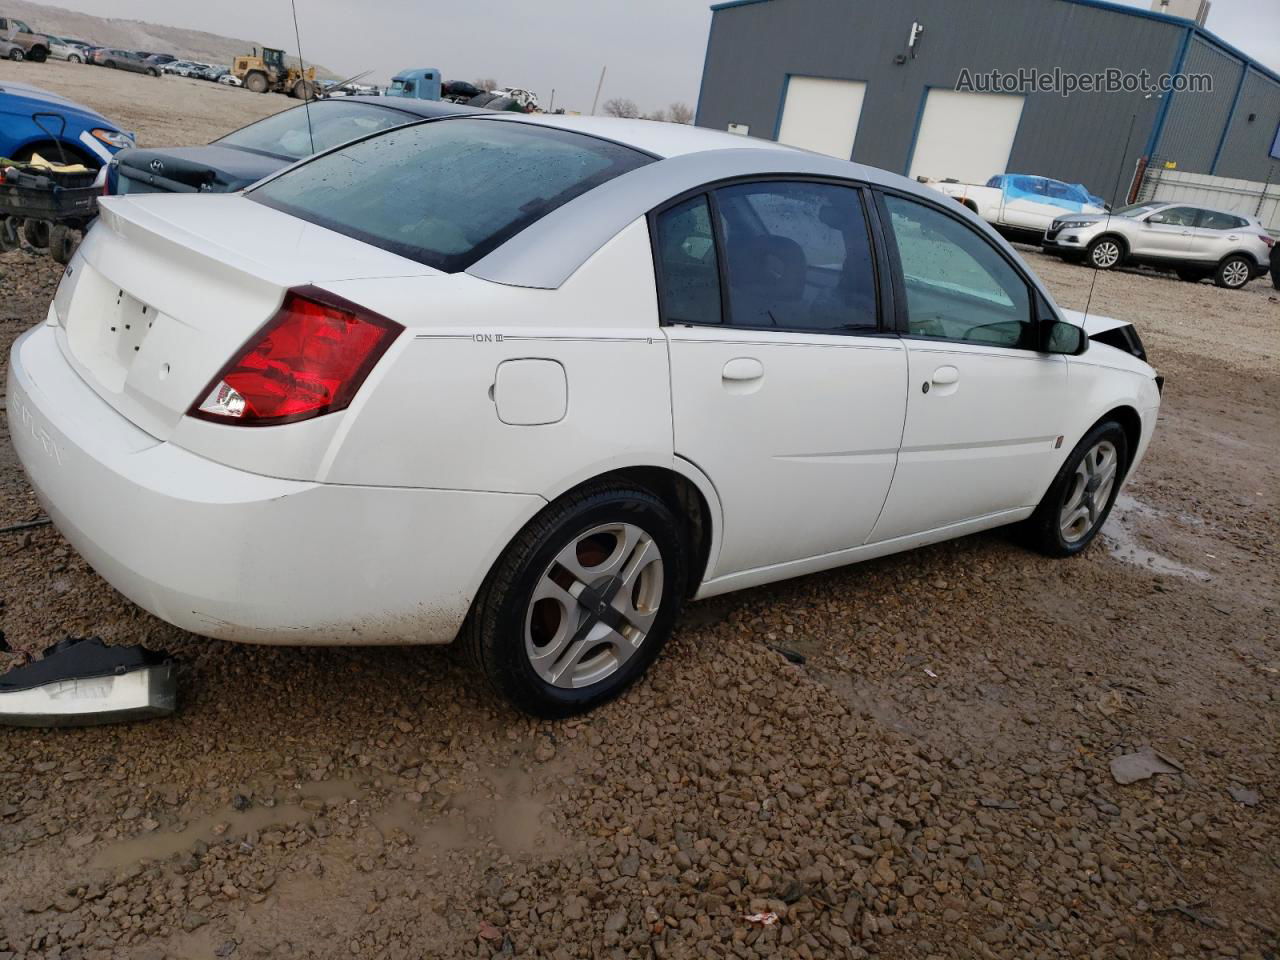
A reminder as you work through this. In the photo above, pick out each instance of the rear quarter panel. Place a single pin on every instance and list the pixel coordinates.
(429, 419)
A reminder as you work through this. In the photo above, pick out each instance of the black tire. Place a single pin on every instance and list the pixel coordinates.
(1100, 252)
(1234, 272)
(16, 55)
(74, 58)
(62, 243)
(1190, 276)
(494, 635)
(110, 65)
(256, 82)
(36, 233)
(1042, 531)
(38, 55)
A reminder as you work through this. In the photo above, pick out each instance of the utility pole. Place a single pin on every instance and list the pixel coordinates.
(552, 107)
(599, 87)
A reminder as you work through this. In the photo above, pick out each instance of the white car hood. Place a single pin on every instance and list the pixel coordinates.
(1093, 324)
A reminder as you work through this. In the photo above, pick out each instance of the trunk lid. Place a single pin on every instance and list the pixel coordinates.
(165, 288)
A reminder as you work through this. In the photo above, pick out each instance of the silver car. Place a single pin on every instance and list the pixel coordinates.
(1194, 242)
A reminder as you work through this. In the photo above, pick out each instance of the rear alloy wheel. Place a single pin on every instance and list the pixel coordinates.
(1081, 496)
(1233, 273)
(16, 54)
(1105, 253)
(73, 58)
(581, 602)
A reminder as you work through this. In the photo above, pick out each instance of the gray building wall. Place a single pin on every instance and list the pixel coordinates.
(753, 47)
(1246, 140)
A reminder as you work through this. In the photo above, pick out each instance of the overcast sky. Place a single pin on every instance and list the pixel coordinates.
(653, 48)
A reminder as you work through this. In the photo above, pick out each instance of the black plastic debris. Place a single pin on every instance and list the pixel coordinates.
(82, 681)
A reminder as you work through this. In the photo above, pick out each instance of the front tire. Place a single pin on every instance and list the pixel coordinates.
(256, 83)
(74, 59)
(581, 602)
(1233, 273)
(1082, 494)
(1105, 253)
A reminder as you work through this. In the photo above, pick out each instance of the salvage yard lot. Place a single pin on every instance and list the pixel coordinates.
(933, 780)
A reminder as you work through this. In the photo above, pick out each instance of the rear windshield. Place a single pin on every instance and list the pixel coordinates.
(333, 122)
(446, 192)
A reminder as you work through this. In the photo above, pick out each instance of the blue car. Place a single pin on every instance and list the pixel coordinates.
(38, 121)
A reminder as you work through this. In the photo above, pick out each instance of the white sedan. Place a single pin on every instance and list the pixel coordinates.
(533, 381)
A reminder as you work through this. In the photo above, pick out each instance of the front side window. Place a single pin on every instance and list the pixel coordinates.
(401, 190)
(797, 256)
(1179, 216)
(958, 286)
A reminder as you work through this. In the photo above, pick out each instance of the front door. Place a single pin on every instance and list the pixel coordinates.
(784, 391)
(984, 408)
(1168, 236)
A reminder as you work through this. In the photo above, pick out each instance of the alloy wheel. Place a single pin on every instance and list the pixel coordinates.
(1235, 274)
(594, 605)
(1106, 254)
(1090, 491)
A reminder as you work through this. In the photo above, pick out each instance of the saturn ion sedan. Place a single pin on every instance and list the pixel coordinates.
(532, 382)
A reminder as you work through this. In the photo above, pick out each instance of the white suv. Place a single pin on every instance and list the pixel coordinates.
(1194, 242)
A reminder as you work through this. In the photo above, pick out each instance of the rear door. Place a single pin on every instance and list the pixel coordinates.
(985, 410)
(1217, 234)
(786, 392)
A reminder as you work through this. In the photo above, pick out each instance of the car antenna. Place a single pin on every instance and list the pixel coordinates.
(1107, 225)
(302, 69)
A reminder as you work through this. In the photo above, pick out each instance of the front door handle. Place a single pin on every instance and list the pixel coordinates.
(944, 376)
(742, 369)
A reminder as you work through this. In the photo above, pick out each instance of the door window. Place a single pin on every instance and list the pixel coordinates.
(1179, 216)
(1214, 220)
(688, 271)
(797, 256)
(958, 286)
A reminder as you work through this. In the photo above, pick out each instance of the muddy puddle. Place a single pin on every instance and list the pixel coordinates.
(1122, 542)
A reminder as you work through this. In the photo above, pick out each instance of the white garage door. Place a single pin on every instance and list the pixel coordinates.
(822, 115)
(965, 136)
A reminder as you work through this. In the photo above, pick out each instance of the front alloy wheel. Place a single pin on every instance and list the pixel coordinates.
(1105, 253)
(581, 602)
(1080, 498)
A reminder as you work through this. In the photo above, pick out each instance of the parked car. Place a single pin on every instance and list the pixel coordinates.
(156, 62)
(184, 68)
(535, 407)
(116, 59)
(61, 48)
(212, 73)
(231, 80)
(1021, 205)
(1195, 242)
(34, 46)
(11, 51)
(37, 121)
(265, 146)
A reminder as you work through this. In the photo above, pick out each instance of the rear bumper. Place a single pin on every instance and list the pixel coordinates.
(238, 556)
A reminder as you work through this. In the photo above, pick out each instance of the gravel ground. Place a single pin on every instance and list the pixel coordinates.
(933, 780)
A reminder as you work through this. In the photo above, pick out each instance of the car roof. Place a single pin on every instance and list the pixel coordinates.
(654, 137)
(422, 108)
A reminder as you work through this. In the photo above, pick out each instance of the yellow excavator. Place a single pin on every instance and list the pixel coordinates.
(268, 74)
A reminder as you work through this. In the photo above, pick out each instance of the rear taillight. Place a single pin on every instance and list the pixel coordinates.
(309, 359)
(1269, 240)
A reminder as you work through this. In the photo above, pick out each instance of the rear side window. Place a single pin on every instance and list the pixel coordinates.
(797, 256)
(687, 264)
(447, 192)
(1214, 220)
(333, 122)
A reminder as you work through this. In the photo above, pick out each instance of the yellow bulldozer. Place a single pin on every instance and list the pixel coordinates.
(268, 74)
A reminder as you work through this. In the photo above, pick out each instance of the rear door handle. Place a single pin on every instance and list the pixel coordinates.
(945, 375)
(741, 369)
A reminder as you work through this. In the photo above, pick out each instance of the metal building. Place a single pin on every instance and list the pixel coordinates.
(877, 81)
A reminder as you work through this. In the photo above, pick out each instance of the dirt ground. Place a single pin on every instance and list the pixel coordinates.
(932, 781)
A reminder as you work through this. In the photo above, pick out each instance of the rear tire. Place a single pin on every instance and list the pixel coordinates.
(1105, 253)
(62, 243)
(74, 59)
(1234, 272)
(535, 629)
(1080, 498)
(36, 233)
(16, 55)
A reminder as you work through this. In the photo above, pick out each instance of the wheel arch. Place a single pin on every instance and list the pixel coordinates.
(1117, 237)
(1130, 421)
(43, 144)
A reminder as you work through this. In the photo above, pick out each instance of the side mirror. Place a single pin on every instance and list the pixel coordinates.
(1058, 336)
(1155, 218)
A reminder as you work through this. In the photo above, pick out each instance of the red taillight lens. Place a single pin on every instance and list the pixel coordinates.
(309, 359)
(1269, 240)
